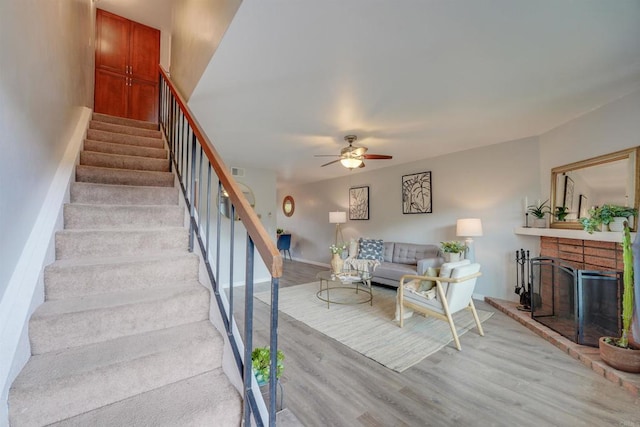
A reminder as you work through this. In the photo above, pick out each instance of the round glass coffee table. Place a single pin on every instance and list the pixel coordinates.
(353, 280)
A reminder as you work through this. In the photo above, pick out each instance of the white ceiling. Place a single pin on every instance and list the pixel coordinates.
(411, 78)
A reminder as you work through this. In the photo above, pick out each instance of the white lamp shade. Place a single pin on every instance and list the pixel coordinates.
(469, 227)
(337, 217)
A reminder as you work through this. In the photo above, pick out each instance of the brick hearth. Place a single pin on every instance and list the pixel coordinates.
(589, 356)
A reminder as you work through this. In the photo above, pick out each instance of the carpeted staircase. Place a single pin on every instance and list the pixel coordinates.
(123, 338)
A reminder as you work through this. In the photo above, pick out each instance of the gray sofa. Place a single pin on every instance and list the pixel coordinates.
(405, 258)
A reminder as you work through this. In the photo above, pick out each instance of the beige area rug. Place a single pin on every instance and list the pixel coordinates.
(371, 330)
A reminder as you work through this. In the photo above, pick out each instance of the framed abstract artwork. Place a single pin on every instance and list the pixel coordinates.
(416, 193)
(359, 203)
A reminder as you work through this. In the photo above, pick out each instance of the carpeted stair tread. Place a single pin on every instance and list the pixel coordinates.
(208, 399)
(87, 192)
(128, 130)
(94, 242)
(100, 175)
(119, 161)
(70, 278)
(120, 138)
(78, 216)
(124, 149)
(72, 322)
(73, 381)
(124, 122)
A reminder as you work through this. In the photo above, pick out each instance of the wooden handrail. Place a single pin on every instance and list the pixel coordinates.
(266, 247)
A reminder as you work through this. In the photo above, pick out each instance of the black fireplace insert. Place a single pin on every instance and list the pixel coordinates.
(582, 305)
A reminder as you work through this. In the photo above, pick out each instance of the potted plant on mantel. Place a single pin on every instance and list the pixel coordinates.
(612, 216)
(538, 212)
(617, 352)
(453, 250)
(261, 364)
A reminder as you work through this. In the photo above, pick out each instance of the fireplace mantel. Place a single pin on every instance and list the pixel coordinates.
(600, 236)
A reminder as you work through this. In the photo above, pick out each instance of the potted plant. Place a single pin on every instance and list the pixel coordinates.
(452, 250)
(561, 213)
(279, 231)
(538, 212)
(606, 216)
(616, 351)
(261, 364)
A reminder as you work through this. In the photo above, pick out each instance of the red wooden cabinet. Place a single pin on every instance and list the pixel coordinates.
(127, 58)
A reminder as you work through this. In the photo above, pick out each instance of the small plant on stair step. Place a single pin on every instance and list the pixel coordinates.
(261, 361)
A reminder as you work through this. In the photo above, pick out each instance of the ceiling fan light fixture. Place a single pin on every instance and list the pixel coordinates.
(351, 162)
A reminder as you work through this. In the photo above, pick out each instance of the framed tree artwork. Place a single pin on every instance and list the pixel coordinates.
(567, 200)
(416, 193)
(359, 203)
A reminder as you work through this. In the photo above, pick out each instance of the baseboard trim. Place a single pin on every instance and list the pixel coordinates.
(25, 290)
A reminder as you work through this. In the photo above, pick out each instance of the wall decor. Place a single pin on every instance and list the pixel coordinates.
(416, 193)
(582, 207)
(359, 202)
(567, 200)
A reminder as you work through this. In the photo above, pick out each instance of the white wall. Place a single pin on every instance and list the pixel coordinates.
(489, 183)
(262, 184)
(46, 58)
(198, 28)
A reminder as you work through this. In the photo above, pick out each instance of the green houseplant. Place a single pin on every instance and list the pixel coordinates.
(452, 250)
(616, 351)
(561, 213)
(261, 364)
(538, 212)
(605, 215)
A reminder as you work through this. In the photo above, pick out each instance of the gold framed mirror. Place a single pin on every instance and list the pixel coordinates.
(608, 179)
(288, 206)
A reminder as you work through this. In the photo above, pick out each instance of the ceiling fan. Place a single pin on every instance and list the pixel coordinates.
(352, 157)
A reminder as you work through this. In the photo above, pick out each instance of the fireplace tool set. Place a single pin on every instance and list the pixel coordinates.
(523, 286)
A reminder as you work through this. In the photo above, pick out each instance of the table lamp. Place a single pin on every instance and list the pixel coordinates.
(338, 218)
(468, 228)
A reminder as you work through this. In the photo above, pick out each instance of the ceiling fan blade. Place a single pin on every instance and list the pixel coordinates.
(377, 156)
(358, 151)
(326, 155)
(330, 163)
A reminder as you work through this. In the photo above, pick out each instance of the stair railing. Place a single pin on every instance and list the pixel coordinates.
(194, 159)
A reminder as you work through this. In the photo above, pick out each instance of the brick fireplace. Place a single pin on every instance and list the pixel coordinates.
(583, 254)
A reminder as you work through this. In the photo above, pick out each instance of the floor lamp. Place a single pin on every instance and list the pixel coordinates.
(338, 218)
(469, 227)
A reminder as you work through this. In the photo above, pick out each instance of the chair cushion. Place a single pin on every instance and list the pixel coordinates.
(370, 249)
(447, 268)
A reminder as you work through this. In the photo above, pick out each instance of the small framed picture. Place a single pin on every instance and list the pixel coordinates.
(359, 203)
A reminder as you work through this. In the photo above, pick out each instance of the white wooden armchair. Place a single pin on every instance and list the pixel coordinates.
(453, 293)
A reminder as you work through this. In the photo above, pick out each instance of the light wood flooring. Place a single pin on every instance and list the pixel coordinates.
(509, 377)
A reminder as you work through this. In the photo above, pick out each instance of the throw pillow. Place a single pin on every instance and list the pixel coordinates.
(426, 285)
(353, 248)
(371, 249)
